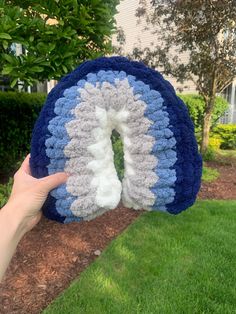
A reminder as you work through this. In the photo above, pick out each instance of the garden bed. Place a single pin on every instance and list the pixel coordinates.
(52, 254)
(224, 187)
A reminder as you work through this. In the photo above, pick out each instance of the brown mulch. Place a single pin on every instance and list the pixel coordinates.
(224, 187)
(51, 255)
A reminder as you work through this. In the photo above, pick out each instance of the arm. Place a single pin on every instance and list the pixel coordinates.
(22, 211)
(11, 233)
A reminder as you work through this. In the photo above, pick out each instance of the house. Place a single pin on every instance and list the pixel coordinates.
(135, 36)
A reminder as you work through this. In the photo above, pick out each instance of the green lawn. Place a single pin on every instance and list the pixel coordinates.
(163, 264)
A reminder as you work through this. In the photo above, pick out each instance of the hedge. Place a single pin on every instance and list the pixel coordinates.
(18, 112)
(5, 192)
(226, 133)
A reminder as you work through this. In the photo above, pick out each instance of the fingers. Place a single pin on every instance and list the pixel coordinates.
(25, 165)
(52, 181)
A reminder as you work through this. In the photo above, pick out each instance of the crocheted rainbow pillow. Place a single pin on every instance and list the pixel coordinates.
(162, 164)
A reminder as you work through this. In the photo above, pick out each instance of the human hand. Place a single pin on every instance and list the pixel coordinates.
(28, 195)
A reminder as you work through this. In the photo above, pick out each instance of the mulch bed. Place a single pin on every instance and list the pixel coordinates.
(224, 187)
(50, 256)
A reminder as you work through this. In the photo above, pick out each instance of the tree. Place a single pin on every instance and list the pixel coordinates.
(120, 40)
(206, 30)
(55, 35)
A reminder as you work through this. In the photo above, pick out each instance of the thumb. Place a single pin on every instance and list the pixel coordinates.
(51, 182)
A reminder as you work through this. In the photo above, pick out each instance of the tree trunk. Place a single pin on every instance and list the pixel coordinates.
(206, 131)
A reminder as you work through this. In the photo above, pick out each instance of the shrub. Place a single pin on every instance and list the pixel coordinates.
(5, 191)
(209, 154)
(209, 174)
(195, 104)
(18, 112)
(227, 135)
(215, 142)
(117, 146)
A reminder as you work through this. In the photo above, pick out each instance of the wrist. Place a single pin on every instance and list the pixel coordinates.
(13, 221)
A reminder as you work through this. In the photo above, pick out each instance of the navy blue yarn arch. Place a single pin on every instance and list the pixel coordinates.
(188, 177)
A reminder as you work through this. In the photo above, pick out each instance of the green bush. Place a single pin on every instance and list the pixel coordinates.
(5, 191)
(209, 174)
(227, 134)
(215, 142)
(209, 154)
(195, 104)
(117, 146)
(18, 112)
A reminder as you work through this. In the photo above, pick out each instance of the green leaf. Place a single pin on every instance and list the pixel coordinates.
(46, 63)
(5, 44)
(37, 69)
(68, 54)
(58, 62)
(7, 57)
(6, 70)
(5, 36)
(13, 83)
(51, 46)
(64, 68)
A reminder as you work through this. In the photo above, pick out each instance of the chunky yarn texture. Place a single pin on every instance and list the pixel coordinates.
(162, 165)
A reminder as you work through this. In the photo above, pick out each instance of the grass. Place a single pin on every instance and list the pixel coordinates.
(209, 174)
(162, 264)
